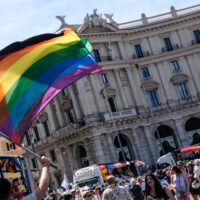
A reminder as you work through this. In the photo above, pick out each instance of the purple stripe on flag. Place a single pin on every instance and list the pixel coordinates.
(53, 90)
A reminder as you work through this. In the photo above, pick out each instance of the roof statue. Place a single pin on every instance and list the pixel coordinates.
(62, 19)
(110, 18)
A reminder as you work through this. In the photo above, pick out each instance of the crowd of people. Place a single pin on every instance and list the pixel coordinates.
(179, 182)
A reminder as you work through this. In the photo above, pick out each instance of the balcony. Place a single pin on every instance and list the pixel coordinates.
(144, 54)
(194, 42)
(174, 47)
(120, 114)
(106, 58)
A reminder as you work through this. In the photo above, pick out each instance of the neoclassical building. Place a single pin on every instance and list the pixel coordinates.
(150, 79)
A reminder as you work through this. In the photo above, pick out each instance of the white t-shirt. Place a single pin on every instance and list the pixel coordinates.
(196, 171)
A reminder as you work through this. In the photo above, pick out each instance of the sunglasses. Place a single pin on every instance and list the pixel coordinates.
(88, 195)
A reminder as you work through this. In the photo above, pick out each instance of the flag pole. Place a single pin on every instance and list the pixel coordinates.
(26, 149)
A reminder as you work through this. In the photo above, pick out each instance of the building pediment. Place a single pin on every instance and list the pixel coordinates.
(95, 23)
(150, 85)
(179, 78)
(96, 29)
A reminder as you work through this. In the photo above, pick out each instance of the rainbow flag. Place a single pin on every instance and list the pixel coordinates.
(139, 163)
(34, 71)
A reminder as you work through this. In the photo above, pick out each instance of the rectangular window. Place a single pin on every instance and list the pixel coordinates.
(197, 35)
(104, 78)
(36, 133)
(175, 65)
(64, 92)
(153, 98)
(33, 163)
(145, 72)
(168, 44)
(138, 50)
(8, 146)
(70, 116)
(97, 55)
(46, 128)
(53, 156)
(183, 91)
(112, 104)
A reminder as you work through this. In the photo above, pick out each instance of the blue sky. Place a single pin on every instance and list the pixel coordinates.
(20, 19)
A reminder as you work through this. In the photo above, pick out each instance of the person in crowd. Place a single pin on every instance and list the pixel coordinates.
(102, 188)
(183, 169)
(6, 189)
(114, 192)
(78, 195)
(66, 197)
(97, 193)
(154, 190)
(194, 184)
(15, 189)
(136, 190)
(87, 195)
(181, 183)
(141, 183)
(197, 170)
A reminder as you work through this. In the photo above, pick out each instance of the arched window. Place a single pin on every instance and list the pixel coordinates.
(81, 155)
(125, 147)
(167, 139)
(192, 126)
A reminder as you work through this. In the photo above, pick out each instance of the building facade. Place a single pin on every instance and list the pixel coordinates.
(150, 78)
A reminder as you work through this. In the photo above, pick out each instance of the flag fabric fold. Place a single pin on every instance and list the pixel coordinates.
(34, 71)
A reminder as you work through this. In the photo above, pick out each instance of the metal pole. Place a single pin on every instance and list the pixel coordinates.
(152, 115)
(26, 149)
(32, 144)
(113, 122)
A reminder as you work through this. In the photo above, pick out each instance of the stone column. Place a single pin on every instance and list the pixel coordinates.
(75, 103)
(122, 50)
(59, 113)
(132, 84)
(121, 89)
(69, 150)
(111, 149)
(88, 145)
(50, 117)
(68, 165)
(195, 76)
(98, 150)
(60, 161)
(82, 97)
(181, 133)
(151, 144)
(136, 144)
(94, 91)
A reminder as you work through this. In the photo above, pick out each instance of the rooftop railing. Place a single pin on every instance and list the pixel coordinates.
(158, 18)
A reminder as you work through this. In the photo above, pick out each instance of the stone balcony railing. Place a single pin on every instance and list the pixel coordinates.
(159, 18)
(120, 114)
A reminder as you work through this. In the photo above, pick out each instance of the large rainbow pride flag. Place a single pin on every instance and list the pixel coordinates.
(34, 71)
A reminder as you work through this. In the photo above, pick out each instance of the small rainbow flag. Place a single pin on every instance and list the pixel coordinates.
(34, 71)
(139, 163)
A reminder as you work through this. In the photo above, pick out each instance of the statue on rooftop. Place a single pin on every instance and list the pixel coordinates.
(62, 19)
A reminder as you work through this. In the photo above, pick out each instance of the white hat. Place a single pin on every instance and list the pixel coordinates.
(196, 161)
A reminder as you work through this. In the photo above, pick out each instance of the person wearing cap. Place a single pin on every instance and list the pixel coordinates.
(87, 195)
(114, 192)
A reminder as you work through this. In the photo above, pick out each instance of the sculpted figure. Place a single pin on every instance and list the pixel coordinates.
(62, 19)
